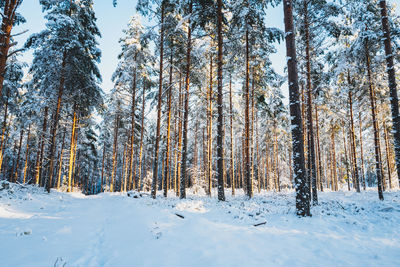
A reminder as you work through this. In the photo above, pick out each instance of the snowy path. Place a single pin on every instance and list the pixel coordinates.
(37, 229)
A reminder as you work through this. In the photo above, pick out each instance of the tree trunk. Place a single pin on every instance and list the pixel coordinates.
(387, 149)
(394, 100)
(133, 107)
(249, 191)
(160, 86)
(362, 153)
(71, 153)
(311, 142)
(26, 155)
(102, 168)
(7, 23)
(115, 153)
(39, 159)
(346, 163)
(232, 145)
(210, 125)
(18, 156)
(375, 123)
(320, 170)
(353, 138)
(168, 137)
(186, 113)
(3, 134)
(141, 139)
(220, 128)
(302, 191)
(61, 161)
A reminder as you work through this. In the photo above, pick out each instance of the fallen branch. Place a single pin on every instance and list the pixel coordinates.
(180, 216)
(258, 224)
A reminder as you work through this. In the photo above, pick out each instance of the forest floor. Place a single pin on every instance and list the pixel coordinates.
(60, 229)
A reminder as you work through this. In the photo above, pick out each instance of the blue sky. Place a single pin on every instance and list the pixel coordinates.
(112, 20)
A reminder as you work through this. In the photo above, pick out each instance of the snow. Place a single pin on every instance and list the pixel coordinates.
(114, 229)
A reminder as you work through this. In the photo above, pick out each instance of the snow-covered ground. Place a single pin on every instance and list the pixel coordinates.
(59, 229)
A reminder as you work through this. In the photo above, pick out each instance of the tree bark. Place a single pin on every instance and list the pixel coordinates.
(362, 153)
(394, 100)
(160, 86)
(39, 159)
(387, 149)
(220, 128)
(61, 161)
(302, 191)
(133, 107)
(168, 137)
(311, 148)
(18, 156)
(7, 23)
(141, 138)
(232, 145)
(186, 113)
(71, 153)
(353, 140)
(378, 163)
(26, 155)
(249, 187)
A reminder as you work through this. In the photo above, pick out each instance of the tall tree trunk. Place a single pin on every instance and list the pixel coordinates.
(71, 153)
(160, 86)
(394, 100)
(131, 149)
(387, 149)
(7, 23)
(102, 168)
(141, 138)
(302, 191)
(220, 126)
(346, 163)
(320, 170)
(21, 136)
(375, 123)
(353, 138)
(232, 145)
(61, 160)
(362, 153)
(210, 126)
(115, 153)
(186, 113)
(26, 155)
(39, 159)
(311, 142)
(249, 191)
(168, 137)
(3, 134)
(54, 126)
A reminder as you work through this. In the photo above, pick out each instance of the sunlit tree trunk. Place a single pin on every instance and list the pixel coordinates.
(141, 139)
(249, 187)
(374, 123)
(132, 134)
(3, 134)
(346, 163)
(387, 149)
(7, 23)
(71, 153)
(26, 155)
(160, 86)
(61, 160)
(115, 153)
